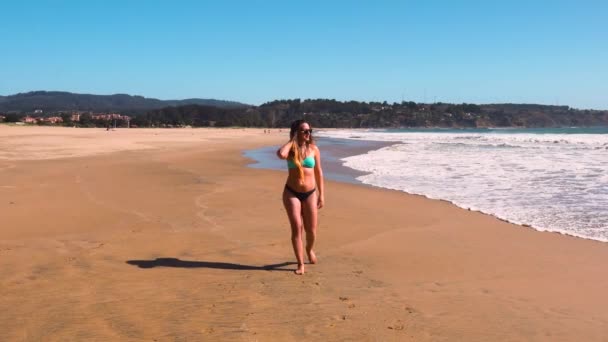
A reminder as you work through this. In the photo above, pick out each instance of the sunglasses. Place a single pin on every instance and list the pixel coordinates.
(306, 131)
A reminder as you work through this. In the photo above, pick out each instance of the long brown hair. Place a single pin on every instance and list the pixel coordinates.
(295, 154)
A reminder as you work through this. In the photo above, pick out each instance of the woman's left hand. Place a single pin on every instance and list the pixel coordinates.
(320, 202)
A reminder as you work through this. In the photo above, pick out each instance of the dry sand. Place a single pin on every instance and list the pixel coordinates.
(143, 235)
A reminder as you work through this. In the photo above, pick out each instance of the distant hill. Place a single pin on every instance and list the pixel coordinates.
(49, 101)
(354, 114)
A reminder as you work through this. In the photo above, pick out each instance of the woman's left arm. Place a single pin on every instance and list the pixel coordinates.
(319, 178)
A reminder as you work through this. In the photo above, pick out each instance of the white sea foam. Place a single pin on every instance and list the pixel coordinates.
(554, 182)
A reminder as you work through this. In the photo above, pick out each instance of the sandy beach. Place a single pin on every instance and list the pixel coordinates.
(167, 235)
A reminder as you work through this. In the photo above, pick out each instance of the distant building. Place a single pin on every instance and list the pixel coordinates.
(75, 117)
(38, 119)
(38, 111)
(112, 116)
(2, 117)
(52, 119)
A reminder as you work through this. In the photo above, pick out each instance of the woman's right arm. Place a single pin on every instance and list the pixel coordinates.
(283, 151)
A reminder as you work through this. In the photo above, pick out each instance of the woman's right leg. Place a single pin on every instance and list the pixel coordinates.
(294, 213)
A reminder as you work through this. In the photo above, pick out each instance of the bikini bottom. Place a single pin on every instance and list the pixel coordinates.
(302, 196)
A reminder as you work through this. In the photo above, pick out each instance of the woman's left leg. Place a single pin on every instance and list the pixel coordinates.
(309, 214)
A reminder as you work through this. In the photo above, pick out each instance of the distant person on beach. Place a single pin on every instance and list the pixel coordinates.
(303, 194)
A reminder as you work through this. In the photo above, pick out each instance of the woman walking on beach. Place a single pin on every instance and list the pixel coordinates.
(303, 194)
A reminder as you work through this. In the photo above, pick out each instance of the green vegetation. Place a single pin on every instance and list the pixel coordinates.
(332, 113)
(12, 117)
(53, 101)
(353, 114)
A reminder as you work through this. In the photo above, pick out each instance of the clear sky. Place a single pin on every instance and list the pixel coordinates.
(549, 52)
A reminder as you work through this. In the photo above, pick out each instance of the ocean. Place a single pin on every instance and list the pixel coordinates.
(548, 179)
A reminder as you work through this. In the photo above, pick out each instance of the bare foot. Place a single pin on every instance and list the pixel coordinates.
(300, 269)
(312, 257)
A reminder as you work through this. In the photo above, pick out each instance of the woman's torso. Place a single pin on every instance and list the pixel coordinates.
(308, 183)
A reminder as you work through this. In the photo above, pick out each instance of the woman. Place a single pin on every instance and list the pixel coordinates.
(303, 193)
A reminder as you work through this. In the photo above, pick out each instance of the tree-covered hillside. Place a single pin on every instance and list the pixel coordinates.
(353, 114)
(53, 101)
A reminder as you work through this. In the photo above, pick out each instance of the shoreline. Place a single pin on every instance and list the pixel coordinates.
(260, 160)
(521, 225)
(187, 241)
(476, 185)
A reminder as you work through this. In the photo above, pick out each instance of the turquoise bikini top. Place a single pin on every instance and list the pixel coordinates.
(308, 162)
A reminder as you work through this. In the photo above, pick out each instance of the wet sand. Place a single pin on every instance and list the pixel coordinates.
(167, 235)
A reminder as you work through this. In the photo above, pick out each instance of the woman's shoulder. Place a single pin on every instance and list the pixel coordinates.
(314, 146)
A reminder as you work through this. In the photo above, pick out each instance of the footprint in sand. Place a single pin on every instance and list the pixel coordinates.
(346, 299)
(375, 283)
(82, 244)
(410, 309)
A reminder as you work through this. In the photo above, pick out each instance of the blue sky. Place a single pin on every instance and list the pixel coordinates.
(550, 52)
